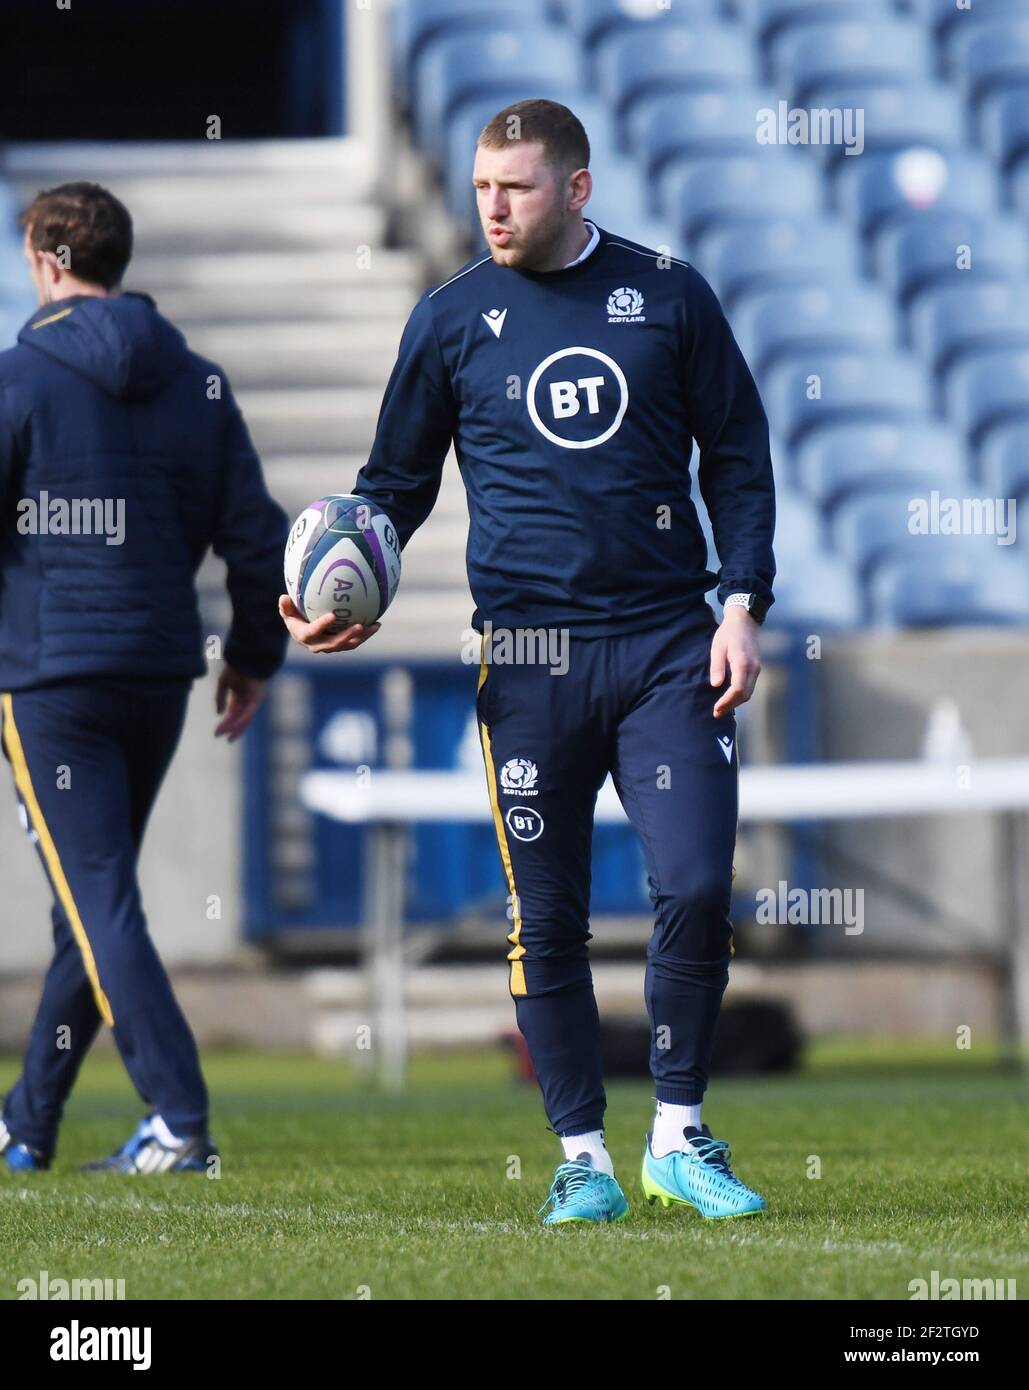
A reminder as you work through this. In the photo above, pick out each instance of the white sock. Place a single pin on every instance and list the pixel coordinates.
(669, 1123)
(592, 1144)
(162, 1132)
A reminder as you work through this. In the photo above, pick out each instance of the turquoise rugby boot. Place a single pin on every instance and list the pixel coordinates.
(699, 1176)
(581, 1192)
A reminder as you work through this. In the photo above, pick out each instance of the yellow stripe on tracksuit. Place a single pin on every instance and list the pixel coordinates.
(514, 936)
(23, 781)
(61, 314)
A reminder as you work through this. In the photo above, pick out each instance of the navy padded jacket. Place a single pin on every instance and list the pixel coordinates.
(123, 458)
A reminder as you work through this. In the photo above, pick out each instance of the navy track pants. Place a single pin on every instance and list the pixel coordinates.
(639, 706)
(88, 757)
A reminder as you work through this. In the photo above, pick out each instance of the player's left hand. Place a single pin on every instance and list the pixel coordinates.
(238, 698)
(734, 651)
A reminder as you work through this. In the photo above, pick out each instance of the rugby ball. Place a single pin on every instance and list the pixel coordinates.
(342, 557)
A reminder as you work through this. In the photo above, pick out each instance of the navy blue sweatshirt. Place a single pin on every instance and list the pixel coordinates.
(573, 399)
(123, 457)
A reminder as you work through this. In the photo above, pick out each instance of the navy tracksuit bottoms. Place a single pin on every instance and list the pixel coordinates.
(638, 706)
(88, 757)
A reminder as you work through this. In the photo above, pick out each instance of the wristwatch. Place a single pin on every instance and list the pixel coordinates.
(756, 607)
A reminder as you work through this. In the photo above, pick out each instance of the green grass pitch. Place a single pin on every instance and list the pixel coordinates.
(329, 1190)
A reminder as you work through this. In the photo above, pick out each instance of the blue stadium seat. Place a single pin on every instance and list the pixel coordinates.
(701, 194)
(912, 256)
(818, 594)
(777, 324)
(842, 460)
(815, 56)
(507, 64)
(1019, 187)
(707, 57)
(882, 188)
(887, 387)
(948, 586)
(786, 251)
(991, 55)
(945, 19)
(954, 320)
(417, 23)
(769, 18)
(798, 528)
(1004, 125)
(1004, 466)
(987, 390)
(696, 125)
(593, 21)
(618, 204)
(869, 529)
(924, 113)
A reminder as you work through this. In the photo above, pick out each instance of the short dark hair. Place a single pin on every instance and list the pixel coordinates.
(91, 222)
(547, 123)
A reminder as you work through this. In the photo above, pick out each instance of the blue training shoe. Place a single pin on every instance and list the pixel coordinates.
(19, 1157)
(145, 1153)
(699, 1176)
(581, 1192)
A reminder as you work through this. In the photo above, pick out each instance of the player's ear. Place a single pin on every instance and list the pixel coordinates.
(580, 187)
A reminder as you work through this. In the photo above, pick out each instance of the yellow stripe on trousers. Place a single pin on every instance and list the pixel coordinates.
(517, 949)
(23, 781)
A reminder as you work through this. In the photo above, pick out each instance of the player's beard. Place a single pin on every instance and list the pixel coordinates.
(530, 250)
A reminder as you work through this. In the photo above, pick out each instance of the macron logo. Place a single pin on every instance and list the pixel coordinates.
(495, 321)
(725, 744)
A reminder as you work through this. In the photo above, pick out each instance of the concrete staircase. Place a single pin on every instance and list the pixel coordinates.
(271, 257)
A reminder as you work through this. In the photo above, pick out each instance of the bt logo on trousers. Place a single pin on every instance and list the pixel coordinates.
(577, 397)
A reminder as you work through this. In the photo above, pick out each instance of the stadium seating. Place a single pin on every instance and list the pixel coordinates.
(785, 251)
(502, 63)
(845, 317)
(16, 297)
(417, 23)
(949, 586)
(594, 20)
(879, 190)
(991, 56)
(769, 18)
(914, 255)
(988, 389)
(882, 300)
(710, 57)
(698, 195)
(832, 388)
(841, 461)
(814, 56)
(695, 125)
(950, 322)
(1005, 462)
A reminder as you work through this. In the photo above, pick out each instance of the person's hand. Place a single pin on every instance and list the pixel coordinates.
(238, 698)
(734, 646)
(320, 636)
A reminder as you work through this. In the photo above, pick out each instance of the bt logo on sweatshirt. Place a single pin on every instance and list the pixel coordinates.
(577, 397)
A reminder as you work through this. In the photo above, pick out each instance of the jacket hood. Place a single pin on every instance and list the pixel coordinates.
(121, 344)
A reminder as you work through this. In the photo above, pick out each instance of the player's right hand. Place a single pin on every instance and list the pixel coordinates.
(319, 635)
